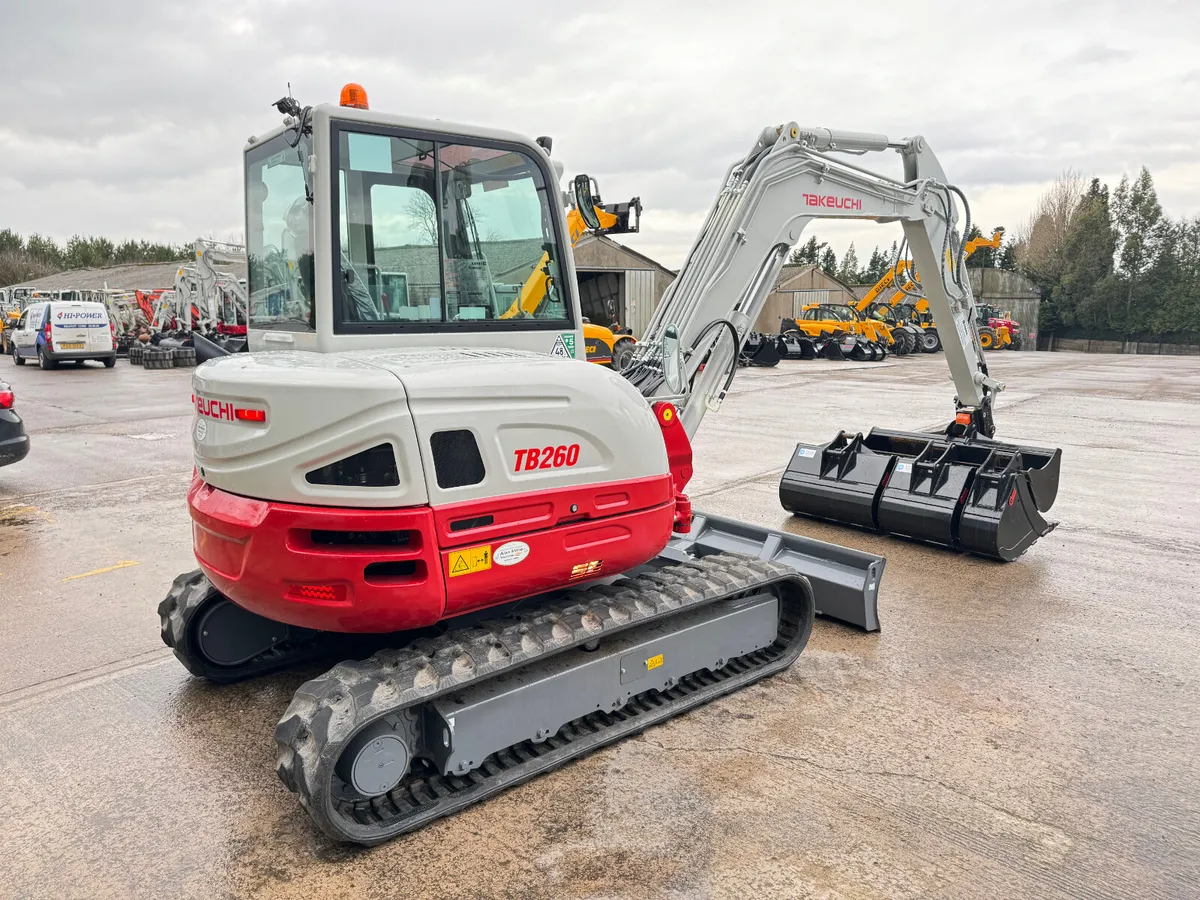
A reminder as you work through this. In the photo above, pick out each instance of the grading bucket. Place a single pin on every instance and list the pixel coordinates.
(967, 493)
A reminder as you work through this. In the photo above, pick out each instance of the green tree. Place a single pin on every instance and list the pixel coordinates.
(1173, 282)
(808, 253)
(848, 270)
(829, 262)
(11, 242)
(877, 266)
(44, 250)
(1008, 257)
(1138, 218)
(23, 260)
(1076, 297)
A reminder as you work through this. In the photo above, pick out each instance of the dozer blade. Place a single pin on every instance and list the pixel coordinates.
(845, 582)
(971, 494)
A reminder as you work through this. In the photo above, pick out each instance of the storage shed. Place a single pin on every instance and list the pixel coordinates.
(617, 283)
(796, 287)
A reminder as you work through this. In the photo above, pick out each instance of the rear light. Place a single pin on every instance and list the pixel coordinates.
(320, 593)
(250, 415)
(47, 331)
(112, 329)
(589, 569)
(6, 399)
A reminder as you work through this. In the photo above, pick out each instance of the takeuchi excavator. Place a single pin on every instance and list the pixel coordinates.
(509, 524)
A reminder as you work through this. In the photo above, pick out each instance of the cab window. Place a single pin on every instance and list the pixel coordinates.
(440, 236)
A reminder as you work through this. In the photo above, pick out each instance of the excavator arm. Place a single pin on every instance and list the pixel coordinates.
(957, 487)
(788, 178)
(218, 287)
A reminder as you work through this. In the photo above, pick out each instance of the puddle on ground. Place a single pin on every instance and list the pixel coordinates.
(22, 515)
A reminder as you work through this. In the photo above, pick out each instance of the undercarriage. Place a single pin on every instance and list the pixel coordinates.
(435, 720)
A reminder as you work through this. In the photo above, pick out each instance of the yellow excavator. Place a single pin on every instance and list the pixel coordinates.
(910, 303)
(604, 345)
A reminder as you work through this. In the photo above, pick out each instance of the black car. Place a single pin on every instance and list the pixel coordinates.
(14, 442)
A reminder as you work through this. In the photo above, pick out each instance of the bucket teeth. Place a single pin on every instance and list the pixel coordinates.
(971, 494)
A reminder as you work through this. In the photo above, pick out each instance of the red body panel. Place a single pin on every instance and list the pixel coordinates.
(264, 555)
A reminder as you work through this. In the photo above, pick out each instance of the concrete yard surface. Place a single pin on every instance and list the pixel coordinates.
(1026, 730)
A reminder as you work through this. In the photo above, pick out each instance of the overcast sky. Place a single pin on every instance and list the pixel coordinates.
(127, 118)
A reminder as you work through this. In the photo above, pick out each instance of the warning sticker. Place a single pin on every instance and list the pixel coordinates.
(564, 345)
(473, 559)
(654, 662)
(806, 452)
(902, 468)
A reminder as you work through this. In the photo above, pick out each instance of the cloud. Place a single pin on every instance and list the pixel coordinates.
(1096, 55)
(128, 118)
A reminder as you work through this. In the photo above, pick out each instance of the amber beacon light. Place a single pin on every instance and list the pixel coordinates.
(354, 96)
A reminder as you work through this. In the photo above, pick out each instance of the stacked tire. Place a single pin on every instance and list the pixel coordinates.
(183, 357)
(135, 354)
(154, 358)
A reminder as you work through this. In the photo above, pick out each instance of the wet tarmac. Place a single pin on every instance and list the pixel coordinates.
(1021, 730)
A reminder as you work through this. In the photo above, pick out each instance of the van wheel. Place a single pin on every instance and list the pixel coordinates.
(44, 361)
(110, 361)
(17, 357)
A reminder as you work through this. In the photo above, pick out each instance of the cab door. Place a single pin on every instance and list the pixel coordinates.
(27, 329)
(16, 337)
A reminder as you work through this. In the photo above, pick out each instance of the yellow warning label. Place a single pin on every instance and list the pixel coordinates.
(654, 662)
(473, 559)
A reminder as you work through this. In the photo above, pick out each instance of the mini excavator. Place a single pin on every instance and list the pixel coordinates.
(510, 523)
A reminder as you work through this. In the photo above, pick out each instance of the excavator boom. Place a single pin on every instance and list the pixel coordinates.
(789, 177)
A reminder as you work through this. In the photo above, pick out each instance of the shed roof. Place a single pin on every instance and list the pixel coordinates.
(606, 241)
(789, 273)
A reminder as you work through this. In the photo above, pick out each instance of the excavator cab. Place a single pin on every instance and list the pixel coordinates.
(367, 230)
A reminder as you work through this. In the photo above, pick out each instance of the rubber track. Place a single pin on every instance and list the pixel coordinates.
(327, 711)
(189, 593)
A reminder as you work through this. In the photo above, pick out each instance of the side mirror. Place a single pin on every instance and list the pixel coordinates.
(585, 202)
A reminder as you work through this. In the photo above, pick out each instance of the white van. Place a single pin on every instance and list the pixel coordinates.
(52, 331)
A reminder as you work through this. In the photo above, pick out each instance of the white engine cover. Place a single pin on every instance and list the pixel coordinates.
(324, 407)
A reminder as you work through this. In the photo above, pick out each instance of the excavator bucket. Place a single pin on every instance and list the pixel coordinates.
(968, 493)
(797, 346)
(760, 350)
(858, 350)
(210, 348)
(831, 348)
